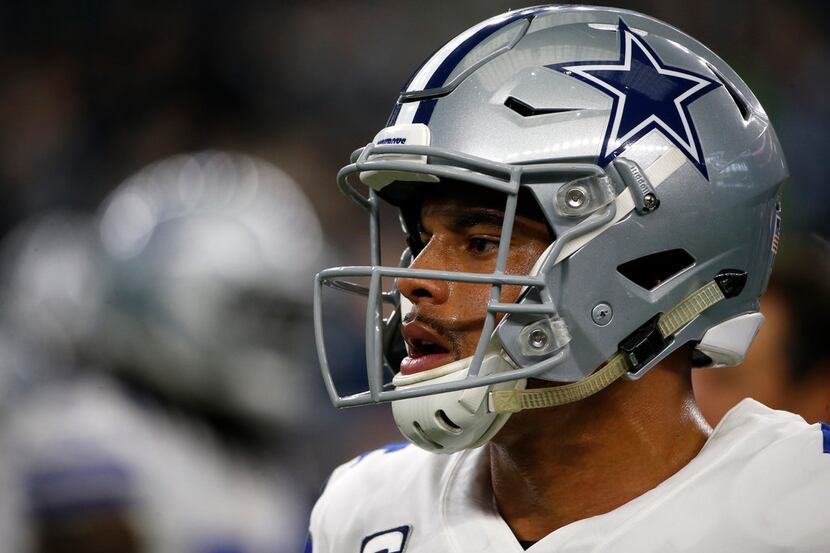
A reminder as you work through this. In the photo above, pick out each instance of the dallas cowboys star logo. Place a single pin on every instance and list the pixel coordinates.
(646, 94)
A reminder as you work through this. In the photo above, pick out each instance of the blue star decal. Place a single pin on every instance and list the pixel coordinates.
(646, 94)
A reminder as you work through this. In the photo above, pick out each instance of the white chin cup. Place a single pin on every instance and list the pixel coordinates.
(452, 421)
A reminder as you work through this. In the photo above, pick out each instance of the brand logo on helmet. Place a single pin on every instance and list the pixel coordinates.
(391, 141)
(646, 95)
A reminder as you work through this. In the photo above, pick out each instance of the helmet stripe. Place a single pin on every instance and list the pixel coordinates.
(435, 72)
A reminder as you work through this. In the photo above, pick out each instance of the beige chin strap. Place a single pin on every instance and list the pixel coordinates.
(513, 401)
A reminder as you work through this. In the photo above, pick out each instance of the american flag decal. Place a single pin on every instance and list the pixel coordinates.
(776, 233)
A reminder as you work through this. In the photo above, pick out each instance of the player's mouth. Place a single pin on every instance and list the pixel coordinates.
(426, 349)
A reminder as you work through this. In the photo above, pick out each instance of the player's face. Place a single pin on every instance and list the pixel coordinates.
(461, 232)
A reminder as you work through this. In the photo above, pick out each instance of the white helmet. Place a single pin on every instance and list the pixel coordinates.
(206, 257)
(49, 295)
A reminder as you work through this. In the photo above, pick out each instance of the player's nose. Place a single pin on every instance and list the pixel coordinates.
(419, 290)
(422, 290)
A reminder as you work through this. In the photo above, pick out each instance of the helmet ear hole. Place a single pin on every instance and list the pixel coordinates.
(652, 270)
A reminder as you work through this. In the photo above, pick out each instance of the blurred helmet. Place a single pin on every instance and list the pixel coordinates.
(205, 297)
(49, 296)
(656, 169)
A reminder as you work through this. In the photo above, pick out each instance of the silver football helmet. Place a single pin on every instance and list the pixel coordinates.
(207, 259)
(49, 295)
(656, 169)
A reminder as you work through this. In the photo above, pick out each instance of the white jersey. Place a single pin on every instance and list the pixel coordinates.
(760, 484)
(89, 444)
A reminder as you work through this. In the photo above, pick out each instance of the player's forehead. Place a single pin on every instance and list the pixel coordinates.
(464, 204)
(453, 202)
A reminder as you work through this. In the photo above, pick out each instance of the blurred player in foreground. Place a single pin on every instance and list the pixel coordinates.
(590, 201)
(178, 322)
(788, 367)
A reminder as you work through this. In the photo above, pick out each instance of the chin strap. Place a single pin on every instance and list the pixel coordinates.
(635, 351)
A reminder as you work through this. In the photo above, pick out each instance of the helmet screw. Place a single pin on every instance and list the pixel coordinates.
(576, 197)
(538, 339)
(601, 314)
(649, 201)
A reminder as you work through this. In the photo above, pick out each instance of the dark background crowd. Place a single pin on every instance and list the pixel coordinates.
(92, 91)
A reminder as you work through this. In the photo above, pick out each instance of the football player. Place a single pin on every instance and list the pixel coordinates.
(591, 206)
(183, 313)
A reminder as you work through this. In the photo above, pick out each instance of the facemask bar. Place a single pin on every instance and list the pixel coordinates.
(493, 175)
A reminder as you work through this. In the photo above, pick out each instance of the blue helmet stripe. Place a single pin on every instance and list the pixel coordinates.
(424, 112)
(441, 74)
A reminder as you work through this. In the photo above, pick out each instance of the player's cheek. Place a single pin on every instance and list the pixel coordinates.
(509, 294)
(471, 299)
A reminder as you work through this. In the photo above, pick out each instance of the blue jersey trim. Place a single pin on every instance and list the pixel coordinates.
(56, 491)
(825, 432)
(308, 546)
(223, 548)
(388, 448)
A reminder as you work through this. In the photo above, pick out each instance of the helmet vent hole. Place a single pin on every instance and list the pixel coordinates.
(737, 97)
(445, 422)
(526, 110)
(424, 437)
(650, 271)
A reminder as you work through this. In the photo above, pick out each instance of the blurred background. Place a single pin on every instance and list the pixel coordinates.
(92, 93)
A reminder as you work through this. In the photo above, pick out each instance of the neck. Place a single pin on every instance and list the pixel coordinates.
(551, 467)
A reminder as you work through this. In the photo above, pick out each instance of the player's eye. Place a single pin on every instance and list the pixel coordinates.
(481, 245)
